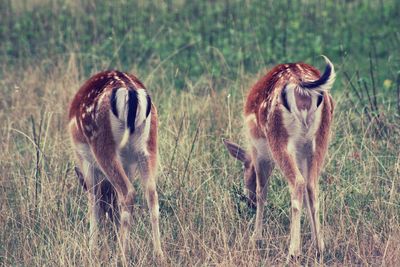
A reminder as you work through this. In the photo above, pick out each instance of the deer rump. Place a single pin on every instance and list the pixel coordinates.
(303, 99)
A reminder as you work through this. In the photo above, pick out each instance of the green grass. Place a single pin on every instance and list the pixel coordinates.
(198, 60)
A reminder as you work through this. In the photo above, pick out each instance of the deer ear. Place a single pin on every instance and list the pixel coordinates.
(236, 151)
(80, 178)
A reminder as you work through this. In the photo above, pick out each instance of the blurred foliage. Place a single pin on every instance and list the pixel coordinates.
(195, 37)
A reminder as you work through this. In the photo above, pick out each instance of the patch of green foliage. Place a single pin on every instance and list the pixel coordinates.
(201, 36)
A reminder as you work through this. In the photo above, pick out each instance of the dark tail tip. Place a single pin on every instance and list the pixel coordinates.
(148, 109)
(284, 99)
(113, 100)
(322, 80)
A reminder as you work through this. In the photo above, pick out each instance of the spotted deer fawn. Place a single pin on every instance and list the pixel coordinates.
(113, 129)
(288, 114)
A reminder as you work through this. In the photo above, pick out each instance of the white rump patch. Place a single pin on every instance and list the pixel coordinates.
(142, 106)
(121, 98)
(304, 117)
(142, 124)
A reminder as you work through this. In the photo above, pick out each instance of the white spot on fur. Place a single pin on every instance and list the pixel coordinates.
(264, 104)
(250, 118)
(89, 109)
(87, 127)
(101, 100)
(132, 81)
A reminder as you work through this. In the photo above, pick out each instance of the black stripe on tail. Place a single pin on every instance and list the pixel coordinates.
(320, 98)
(322, 80)
(132, 108)
(113, 100)
(284, 99)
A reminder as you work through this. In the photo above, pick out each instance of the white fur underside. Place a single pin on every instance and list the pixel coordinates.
(302, 124)
(305, 117)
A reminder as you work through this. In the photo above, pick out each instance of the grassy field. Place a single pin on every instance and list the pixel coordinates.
(198, 59)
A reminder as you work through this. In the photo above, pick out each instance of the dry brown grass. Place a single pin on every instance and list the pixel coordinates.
(203, 220)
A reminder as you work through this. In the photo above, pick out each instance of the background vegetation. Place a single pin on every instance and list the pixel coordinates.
(198, 59)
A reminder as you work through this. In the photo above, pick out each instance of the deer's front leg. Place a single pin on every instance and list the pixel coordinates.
(297, 194)
(147, 173)
(308, 168)
(263, 168)
(313, 210)
(313, 206)
(315, 164)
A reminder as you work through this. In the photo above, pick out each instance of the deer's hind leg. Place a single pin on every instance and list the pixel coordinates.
(307, 168)
(111, 166)
(312, 200)
(285, 157)
(147, 168)
(315, 162)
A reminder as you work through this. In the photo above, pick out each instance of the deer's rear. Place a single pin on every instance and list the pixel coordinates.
(288, 114)
(113, 128)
